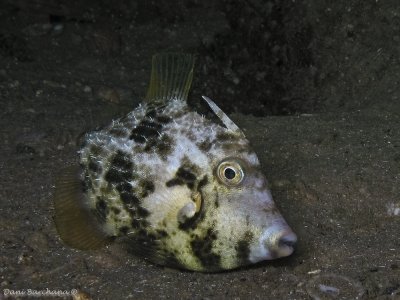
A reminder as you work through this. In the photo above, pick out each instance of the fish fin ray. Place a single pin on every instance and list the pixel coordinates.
(74, 221)
(229, 124)
(171, 77)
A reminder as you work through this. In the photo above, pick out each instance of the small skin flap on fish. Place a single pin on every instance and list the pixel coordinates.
(75, 223)
(171, 77)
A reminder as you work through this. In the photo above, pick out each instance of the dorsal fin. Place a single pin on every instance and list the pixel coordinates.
(171, 77)
(75, 223)
(229, 124)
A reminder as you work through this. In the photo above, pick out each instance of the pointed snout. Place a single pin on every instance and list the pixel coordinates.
(276, 241)
(280, 243)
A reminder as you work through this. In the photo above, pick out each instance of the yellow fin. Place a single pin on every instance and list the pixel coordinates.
(171, 77)
(75, 223)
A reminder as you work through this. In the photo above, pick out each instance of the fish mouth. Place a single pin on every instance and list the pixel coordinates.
(285, 244)
(274, 243)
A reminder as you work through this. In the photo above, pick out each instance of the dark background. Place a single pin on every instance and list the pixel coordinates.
(254, 57)
(313, 84)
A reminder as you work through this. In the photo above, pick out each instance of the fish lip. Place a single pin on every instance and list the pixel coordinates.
(286, 243)
(289, 239)
(274, 243)
(285, 251)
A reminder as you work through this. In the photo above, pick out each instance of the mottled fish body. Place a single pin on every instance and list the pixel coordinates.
(186, 191)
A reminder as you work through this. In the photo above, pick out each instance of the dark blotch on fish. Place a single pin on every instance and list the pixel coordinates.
(164, 146)
(202, 183)
(174, 181)
(129, 200)
(124, 230)
(205, 145)
(124, 187)
(96, 150)
(185, 175)
(243, 248)
(150, 124)
(139, 223)
(162, 233)
(145, 130)
(137, 138)
(115, 210)
(151, 113)
(122, 160)
(163, 119)
(202, 248)
(182, 176)
(120, 169)
(118, 132)
(142, 212)
(147, 187)
(94, 166)
(116, 175)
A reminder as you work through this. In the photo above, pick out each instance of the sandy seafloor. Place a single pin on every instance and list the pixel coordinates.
(334, 169)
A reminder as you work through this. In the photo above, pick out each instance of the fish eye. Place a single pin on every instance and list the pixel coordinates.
(230, 172)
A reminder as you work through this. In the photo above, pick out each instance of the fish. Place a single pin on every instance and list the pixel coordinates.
(183, 190)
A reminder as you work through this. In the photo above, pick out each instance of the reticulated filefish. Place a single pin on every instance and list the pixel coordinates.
(185, 191)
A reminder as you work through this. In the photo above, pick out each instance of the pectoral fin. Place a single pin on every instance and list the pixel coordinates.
(75, 222)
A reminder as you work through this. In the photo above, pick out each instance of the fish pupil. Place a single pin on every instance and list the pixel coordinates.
(229, 173)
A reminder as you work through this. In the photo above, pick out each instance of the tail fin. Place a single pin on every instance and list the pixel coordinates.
(171, 77)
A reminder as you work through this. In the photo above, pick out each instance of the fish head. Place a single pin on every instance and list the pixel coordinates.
(250, 226)
(233, 220)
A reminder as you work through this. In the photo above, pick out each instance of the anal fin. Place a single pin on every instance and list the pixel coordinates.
(75, 223)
